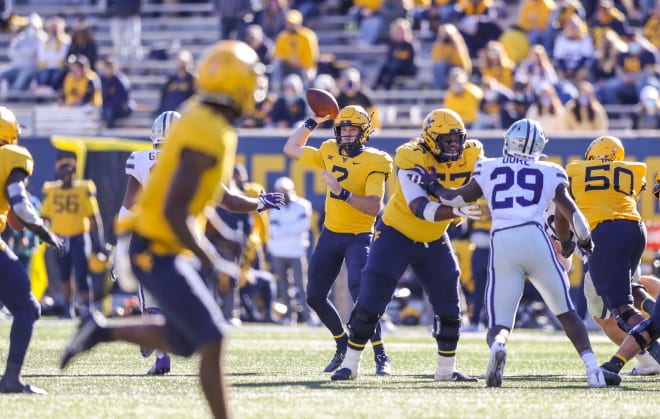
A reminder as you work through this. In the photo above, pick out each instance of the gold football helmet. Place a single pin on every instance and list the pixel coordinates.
(441, 128)
(605, 147)
(9, 128)
(352, 116)
(231, 74)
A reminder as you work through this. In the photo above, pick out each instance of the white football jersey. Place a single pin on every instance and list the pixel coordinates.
(139, 164)
(518, 191)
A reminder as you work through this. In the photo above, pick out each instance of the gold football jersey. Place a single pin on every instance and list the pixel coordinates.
(202, 130)
(450, 175)
(607, 190)
(11, 157)
(69, 209)
(364, 175)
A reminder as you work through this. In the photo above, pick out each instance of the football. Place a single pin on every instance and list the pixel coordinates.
(14, 222)
(322, 102)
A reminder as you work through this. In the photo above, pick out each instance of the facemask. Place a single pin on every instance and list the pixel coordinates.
(650, 104)
(290, 97)
(545, 101)
(634, 48)
(458, 88)
(584, 100)
(490, 96)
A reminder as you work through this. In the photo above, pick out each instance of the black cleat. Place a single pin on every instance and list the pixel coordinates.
(383, 366)
(343, 374)
(335, 362)
(85, 338)
(611, 377)
(18, 387)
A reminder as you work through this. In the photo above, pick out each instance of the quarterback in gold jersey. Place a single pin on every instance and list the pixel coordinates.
(16, 166)
(355, 175)
(168, 253)
(606, 189)
(413, 231)
(71, 208)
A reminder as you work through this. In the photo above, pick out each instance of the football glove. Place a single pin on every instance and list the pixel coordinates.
(471, 211)
(51, 239)
(586, 246)
(272, 200)
(567, 248)
(427, 180)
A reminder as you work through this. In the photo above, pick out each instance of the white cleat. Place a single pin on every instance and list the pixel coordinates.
(646, 365)
(496, 362)
(595, 378)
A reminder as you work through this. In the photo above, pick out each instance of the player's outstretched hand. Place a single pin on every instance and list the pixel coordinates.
(271, 200)
(51, 239)
(587, 246)
(471, 211)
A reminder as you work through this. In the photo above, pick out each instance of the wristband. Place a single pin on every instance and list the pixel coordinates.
(344, 195)
(310, 124)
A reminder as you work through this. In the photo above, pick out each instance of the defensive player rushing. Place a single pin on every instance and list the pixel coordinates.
(16, 166)
(642, 334)
(606, 189)
(518, 188)
(644, 287)
(71, 209)
(196, 160)
(413, 232)
(138, 168)
(355, 176)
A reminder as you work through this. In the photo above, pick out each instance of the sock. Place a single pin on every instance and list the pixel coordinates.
(352, 360)
(615, 363)
(379, 348)
(446, 364)
(589, 359)
(160, 355)
(342, 342)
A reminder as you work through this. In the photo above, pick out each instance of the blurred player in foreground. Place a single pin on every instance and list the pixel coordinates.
(16, 166)
(168, 254)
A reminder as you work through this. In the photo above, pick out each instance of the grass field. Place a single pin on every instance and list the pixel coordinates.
(276, 372)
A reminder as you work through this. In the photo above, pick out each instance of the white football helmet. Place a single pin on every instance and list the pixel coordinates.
(162, 125)
(524, 139)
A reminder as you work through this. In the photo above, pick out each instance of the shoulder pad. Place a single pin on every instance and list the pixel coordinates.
(408, 155)
(252, 189)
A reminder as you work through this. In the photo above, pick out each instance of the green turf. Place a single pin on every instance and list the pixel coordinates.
(276, 372)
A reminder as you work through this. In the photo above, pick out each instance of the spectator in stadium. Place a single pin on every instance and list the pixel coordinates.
(290, 107)
(547, 109)
(352, 93)
(288, 247)
(115, 88)
(492, 108)
(186, 179)
(607, 17)
(585, 112)
(274, 19)
(125, 28)
(83, 42)
(463, 96)
(400, 60)
(52, 54)
(234, 17)
(23, 56)
(515, 43)
(536, 69)
(652, 26)
(179, 86)
(573, 52)
(635, 68)
(496, 63)
(350, 211)
(562, 12)
(71, 208)
(81, 85)
(604, 65)
(15, 288)
(477, 22)
(263, 46)
(534, 18)
(296, 52)
(413, 231)
(448, 51)
(648, 114)
(374, 19)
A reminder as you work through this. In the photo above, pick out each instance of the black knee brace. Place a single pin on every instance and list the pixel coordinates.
(446, 329)
(652, 329)
(622, 318)
(362, 325)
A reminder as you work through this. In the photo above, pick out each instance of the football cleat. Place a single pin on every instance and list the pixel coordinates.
(161, 366)
(383, 366)
(496, 362)
(595, 378)
(18, 387)
(610, 374)
(646, 365)
(146, 352)
(86, 337)
(335, 362)
(344, 374)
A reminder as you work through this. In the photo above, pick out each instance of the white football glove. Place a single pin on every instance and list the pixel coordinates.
(471, 211)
